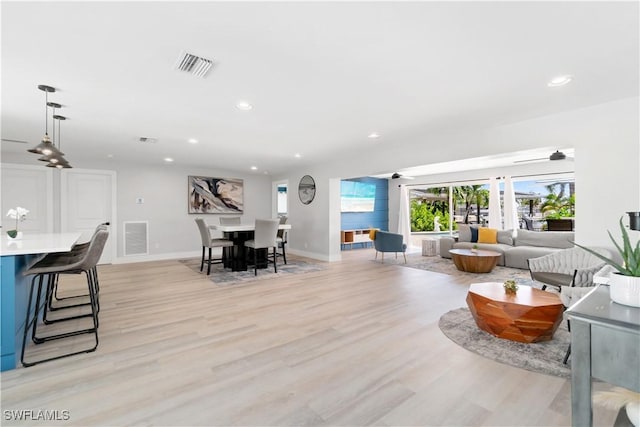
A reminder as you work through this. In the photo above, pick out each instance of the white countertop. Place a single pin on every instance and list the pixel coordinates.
(243, 227)
(38, 243)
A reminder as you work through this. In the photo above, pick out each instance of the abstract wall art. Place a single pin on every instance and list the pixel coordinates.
(215, 195)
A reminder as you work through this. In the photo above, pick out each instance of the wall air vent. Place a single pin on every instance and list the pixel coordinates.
(148, 139)
(193, 64)
(136, 238)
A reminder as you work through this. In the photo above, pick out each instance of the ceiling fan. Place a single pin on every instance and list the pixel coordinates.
(555, 156)
(397, 175)
(17, 141)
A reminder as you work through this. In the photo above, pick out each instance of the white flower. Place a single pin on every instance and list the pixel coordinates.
(18, 213)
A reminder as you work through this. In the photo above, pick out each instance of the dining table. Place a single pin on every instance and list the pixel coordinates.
(16, 255)
(238, 234)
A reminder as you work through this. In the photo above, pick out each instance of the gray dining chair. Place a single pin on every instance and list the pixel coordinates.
(210, 243)
(281, 240)
(264, 238)
(230, 220)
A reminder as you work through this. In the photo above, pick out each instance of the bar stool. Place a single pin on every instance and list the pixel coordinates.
(77, 251)
(84, 261)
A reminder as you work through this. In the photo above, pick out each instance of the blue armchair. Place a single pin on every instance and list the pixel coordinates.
(389, 242)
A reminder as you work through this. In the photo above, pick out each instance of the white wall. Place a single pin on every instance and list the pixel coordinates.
(172, 231)
(164, 189)
(607, 171)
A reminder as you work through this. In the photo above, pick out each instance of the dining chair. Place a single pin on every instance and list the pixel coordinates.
(230, 220)
(281, 239)
(265, 237)
(209, 242)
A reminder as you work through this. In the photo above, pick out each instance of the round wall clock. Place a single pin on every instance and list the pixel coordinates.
(307, 189)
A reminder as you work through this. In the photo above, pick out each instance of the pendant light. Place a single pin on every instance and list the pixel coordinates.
(60, 162)
(45, 146)
(56, 155)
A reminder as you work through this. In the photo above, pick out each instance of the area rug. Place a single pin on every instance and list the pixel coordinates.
(224, 277)
(543, 357)
(446, 266)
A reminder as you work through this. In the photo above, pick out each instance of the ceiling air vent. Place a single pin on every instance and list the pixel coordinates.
(193, 64)
(148, 139)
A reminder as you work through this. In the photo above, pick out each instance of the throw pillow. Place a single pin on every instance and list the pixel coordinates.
(474, 234)
(505, 237)
(372, 233)
(487, 235)
(464, 233)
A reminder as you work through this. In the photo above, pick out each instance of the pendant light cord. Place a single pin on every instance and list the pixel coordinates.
(46, 112)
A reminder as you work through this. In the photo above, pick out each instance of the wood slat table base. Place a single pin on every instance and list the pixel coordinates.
(529, 316)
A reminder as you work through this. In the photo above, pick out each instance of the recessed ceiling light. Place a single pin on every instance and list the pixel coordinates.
(243, 105)
(192, 141)
(373, 135)
(168, 159)
(110, 156)
(254, 168)
(297, 155)
(560, 80)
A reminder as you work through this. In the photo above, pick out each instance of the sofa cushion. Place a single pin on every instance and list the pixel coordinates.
(517, 257)
(464, 233)
(487, 235)
(546, 239)
(474, 234)
(505, 237)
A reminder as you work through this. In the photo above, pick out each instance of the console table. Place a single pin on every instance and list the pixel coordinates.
(605, 344)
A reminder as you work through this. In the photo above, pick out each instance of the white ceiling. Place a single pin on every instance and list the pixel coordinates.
(321, 76)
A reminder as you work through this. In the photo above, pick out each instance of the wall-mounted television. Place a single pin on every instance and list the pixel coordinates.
(357, 196)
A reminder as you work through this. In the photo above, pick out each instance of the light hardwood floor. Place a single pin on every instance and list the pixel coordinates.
(354, 344)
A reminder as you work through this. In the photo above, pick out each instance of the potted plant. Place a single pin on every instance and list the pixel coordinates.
(19, 214)
(510, 286)
(624, 284)
(474, 248)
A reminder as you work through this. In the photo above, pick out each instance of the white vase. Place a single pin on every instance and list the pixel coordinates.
(18, 236)
(625, 290)
(633, 413)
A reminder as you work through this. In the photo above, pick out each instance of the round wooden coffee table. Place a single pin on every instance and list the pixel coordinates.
(480, 261)
(529, 315)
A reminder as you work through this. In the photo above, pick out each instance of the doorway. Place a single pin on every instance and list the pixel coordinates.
(280, 200)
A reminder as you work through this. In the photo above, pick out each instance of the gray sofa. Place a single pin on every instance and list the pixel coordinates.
(515, 251)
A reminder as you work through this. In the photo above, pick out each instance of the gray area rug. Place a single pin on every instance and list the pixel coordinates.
(543, 357)
(223, 277)
(446, 266)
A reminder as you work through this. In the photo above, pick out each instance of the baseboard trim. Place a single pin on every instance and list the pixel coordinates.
(197, 254)
(156, 257)
(314, 255)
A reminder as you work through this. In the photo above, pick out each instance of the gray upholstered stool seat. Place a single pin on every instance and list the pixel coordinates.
(84, 261)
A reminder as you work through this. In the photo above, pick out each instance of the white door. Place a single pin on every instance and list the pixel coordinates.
(29, 187)
(87, 200)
